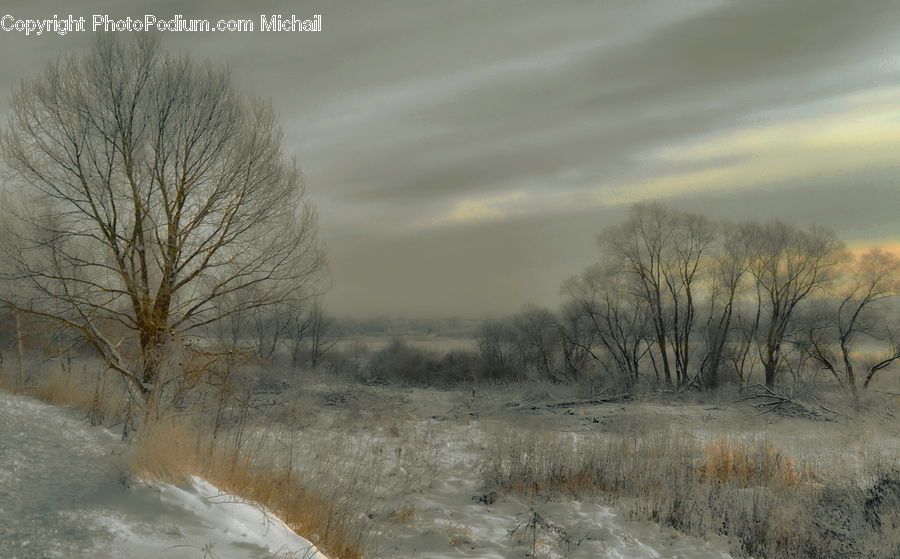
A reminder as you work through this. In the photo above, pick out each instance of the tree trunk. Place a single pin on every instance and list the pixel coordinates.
(710, 377)
(848, 366)
(664, 354)
(771, 367)
(20, 352)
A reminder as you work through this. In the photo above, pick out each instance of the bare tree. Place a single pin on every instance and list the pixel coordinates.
(577, 338)
(496, 344)
(788, 265)
(740, 355)
(641, 245)
(728, 267)
(890, 335)
(271, 326)
(665, 251)
(834, 333)
(297, 331)
(691, 236)
(311, 332)
(323, 333)
(150, 190)
(620, 321)
(538, 339)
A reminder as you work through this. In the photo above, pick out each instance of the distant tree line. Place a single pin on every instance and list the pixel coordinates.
(679, 300)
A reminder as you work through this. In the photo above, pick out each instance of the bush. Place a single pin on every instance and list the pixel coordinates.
(402, 363)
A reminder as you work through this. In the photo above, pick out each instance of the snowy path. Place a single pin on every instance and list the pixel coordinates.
(63, 493)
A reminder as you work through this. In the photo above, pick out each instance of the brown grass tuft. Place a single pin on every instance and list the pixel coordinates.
(166, 451)
(62, 387)
(746, 465)
(96, 394)
(170, 450)
(403, 515)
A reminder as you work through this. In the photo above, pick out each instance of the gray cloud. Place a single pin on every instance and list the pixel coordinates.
(400, 110)
(493, 268)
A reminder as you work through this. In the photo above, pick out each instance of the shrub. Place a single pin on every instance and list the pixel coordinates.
(400, 362)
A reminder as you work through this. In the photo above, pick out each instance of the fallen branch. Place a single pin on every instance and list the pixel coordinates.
(768, 400)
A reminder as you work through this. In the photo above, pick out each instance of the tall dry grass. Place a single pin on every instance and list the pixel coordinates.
(173, 448)
(8, 380)
(765, 502)
(746, 464)
(179, 439)
(98, 394)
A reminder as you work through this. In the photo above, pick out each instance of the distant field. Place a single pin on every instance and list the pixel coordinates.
(437, 344)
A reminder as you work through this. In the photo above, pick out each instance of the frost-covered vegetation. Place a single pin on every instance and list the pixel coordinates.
(498, 470)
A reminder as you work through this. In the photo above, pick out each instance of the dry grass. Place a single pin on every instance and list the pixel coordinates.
(170, 449)
(8, 380)
(403, 515)
(765, 502)
(458, 535)
(61, 387)
(96, 394)
(240, 461)
(630, 465)
(748, 465)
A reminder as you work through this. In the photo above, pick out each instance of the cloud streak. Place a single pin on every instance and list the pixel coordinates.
(433, 128)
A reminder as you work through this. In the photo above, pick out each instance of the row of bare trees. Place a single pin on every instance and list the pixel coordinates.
(679, 300)
(302, 330)
(555, 346)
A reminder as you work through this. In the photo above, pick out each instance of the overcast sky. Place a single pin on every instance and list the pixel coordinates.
(464, 155)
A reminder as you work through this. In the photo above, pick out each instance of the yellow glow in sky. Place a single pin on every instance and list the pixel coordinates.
(863, 134)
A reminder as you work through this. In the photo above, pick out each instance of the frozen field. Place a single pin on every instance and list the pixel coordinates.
(65, 492)
(409, 464)
(425, 450)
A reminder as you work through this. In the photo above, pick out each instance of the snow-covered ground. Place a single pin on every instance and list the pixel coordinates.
(448, 523)
(422, 452)
(65, 492)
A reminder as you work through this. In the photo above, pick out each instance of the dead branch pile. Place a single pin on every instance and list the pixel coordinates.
(767, 400)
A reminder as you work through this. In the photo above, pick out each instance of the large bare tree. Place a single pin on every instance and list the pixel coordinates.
(641, 245)
(728, 267)
(150, 190)
(788, 265)
(690, 238)
(665, 250)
